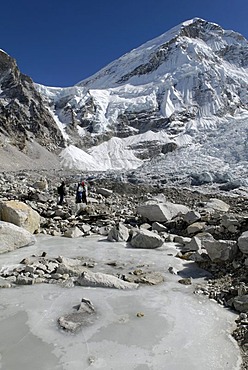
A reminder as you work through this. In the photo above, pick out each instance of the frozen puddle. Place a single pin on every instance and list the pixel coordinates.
(178, 330)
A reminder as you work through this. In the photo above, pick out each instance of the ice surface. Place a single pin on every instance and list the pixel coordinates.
(179, 330)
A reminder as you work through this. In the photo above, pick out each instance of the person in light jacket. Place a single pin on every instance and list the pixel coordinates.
(81, 195)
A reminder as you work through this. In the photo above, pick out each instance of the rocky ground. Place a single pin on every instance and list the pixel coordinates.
(207, 232)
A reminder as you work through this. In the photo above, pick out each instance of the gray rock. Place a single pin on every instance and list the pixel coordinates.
(159, 227)
(194, 244)
(73, 232)
(220, 250)
(145, 226)
(83, 316)
(229, 220)
(24, 280)
(13, 237)
(185, 281)
(86, 228)
(41, 184)
(118, 233)
(172, 270)
(191, 217)
(105, 192)
(91, 279)
(146, 239)
(104, 230)
(243, 242)
(241, 303)
(149, 278)
(5, 283)
(196, 227)
(182, 239)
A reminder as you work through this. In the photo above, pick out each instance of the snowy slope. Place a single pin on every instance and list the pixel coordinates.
(187, 87)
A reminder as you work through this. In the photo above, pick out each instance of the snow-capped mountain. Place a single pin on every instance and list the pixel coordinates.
(177, 105)
(172, 92)
(196, 70)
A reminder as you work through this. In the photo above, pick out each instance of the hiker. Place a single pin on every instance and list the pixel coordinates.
(81, 195)
(61, 192)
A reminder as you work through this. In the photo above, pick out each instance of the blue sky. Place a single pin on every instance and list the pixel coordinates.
(59, 42)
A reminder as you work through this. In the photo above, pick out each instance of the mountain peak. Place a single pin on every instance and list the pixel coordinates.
(183, 90)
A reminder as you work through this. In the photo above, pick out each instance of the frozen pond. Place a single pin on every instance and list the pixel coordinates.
(178, 329)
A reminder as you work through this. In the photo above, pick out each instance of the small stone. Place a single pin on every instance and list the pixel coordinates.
(185, 281)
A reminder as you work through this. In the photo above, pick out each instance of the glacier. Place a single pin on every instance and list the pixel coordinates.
(187, 87)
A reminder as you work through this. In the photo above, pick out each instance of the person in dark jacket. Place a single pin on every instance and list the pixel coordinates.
(61, 192)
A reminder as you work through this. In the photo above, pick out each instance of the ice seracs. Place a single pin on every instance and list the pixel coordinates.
(189, 82)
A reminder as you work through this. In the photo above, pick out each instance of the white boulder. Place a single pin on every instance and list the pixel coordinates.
(146, 239)
(161, 212)
(215, 204)
(13, 237)
(73, 232)
(98, 279)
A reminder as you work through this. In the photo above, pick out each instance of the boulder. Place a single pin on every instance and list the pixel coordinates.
(118, 233)
(159, 227)
(191, 217)
(73, 232)
(142, 277)
(243, 242)
(86, 229)
(220, 250)
(104, 230)
(145, 226)
(193, 245)
(230, 222)
(41, 184)
(241, 303)
(83, 316)
(172, 270)
(161, 212)
(216, 205)
(13, 237)
(184, 240)
(5, 283)
(146, 239)
(98, 279)
(196, 227)
(20, 214)
(105, 192)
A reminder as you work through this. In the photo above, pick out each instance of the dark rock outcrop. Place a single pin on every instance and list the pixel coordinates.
(23, 114)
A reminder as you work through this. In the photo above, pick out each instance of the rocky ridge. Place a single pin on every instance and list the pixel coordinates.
(24, 117)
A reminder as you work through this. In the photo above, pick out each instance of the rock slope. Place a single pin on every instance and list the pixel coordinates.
(24, 116)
